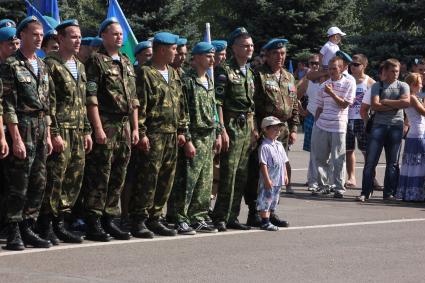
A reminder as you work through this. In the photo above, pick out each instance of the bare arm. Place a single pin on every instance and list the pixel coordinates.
(338, 100)
(267, 181)
(302, 86)
(318, 112)
(364, 109)
(401, 103)
(415, 103)
(378, 106)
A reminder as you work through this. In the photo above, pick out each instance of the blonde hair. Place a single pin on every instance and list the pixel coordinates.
(413, 79)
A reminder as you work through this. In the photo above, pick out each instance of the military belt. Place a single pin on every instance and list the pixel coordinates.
(34, 114)
(115, 116)
(241, 117)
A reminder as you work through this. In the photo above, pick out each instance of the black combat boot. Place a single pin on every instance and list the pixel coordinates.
(64, 234)
(254, 219)
(275, 220)
(156, 226)
(94, 231)
(110, 227)
(235, 224)
(30, 238)
(44, 225)
(14, 240)
(139, 229)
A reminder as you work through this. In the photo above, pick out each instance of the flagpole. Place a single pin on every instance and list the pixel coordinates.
(125, 19)
(207, 38)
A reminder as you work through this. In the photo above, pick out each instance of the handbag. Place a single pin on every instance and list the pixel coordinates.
(369, 123)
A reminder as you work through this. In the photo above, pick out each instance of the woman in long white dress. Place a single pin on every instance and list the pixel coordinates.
(412, 172)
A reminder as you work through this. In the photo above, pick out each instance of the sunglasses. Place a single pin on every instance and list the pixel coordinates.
(355, 64)
(313, 63)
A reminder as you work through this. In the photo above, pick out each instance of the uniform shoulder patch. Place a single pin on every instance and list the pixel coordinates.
(91, 86)
(219, 90)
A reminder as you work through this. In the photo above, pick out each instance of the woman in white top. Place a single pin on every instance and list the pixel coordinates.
(412, 172)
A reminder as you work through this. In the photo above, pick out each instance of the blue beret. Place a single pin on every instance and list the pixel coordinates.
(219, 45)
(52, 22)
(344, 56)
(86, 41)
(7, 33)
(50, 34)
(106, 23)
(181, 41)
(96, 42)
(165, 38)
(202, 48)
(7, 23)
(23, 24)
(236, 33)
(67, 23)
(141, 46)
(275, 43)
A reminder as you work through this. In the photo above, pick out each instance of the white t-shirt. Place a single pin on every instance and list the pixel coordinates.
(361, 90)
(311, 93)
(333, 118)
(328, 51)
(367, 97)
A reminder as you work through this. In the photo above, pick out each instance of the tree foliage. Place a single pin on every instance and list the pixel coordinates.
(377, 28)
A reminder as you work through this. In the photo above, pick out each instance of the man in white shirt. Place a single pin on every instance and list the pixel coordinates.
(328, 138)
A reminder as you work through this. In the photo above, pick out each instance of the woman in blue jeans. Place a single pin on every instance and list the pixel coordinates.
(389, 97)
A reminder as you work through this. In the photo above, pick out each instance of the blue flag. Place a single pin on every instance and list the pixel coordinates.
(290, 67)
(32, 11)
(47, 8)
(129, 40)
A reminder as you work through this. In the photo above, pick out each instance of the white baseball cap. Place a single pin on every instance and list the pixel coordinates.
(270, 121)
(335, 30)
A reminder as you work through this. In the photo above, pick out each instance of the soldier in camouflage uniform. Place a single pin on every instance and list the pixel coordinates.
(162, 124)
(275, 95)
(9, 43)
(112, 107)
(26, 113)
(70, 132)
(190, 197)
(234, 87)
(180, 58)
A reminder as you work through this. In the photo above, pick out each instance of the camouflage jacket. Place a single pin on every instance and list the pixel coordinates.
(276, 97)
(111, 85)
(67, 96)
(162, 105)
(234, 91)
(24, 92)
(201, 104)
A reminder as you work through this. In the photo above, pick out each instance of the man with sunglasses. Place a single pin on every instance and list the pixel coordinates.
(356, 126)
(309, 88)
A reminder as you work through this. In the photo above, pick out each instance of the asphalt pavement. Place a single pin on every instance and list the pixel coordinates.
(330, 240)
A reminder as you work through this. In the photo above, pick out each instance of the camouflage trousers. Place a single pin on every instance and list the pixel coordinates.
(155, 176)
(26, 178)
(233, 171)
(190, 198)
(106, 168)
(64, 174)
(251, 188)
